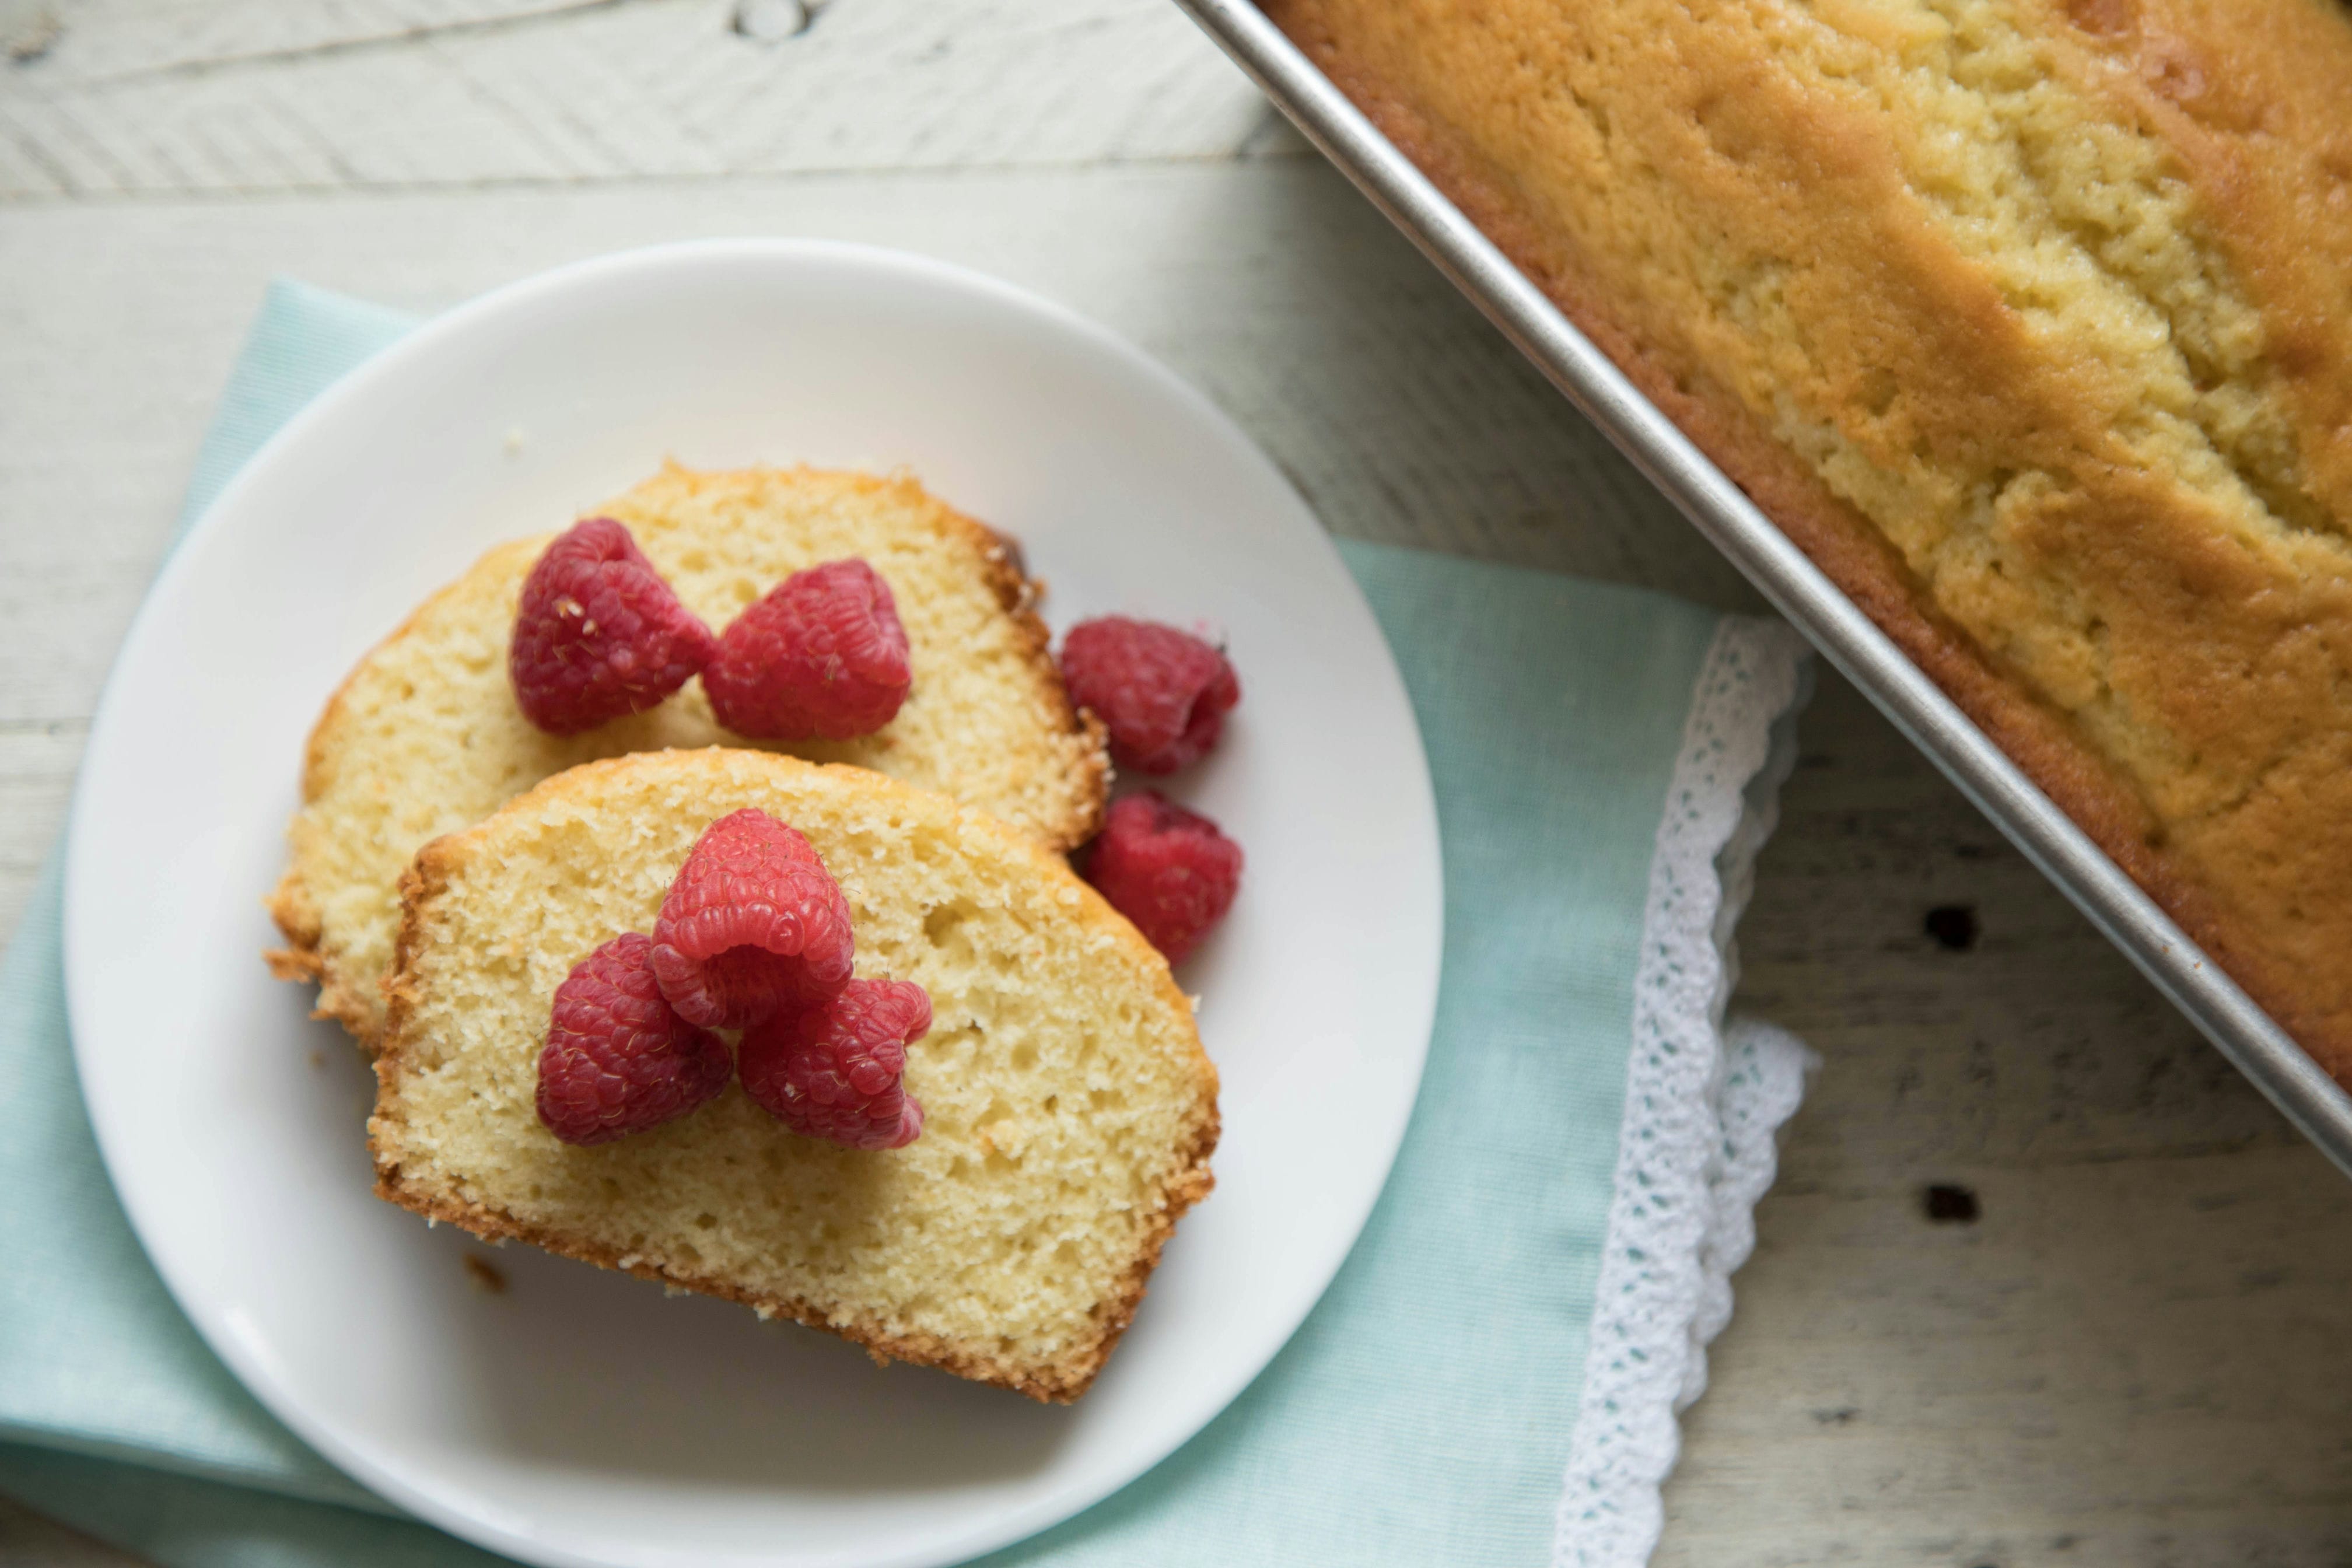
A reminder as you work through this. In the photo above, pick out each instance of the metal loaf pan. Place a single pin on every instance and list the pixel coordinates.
(1851, 641)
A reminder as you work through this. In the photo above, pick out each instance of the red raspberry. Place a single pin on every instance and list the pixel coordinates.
(822, 657)
(836, 1071)
(754, 924)
(1166, 868)
(600, 635)
(617, 1059)
(1162, 693)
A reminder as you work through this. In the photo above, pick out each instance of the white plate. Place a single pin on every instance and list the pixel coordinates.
(581, 1418)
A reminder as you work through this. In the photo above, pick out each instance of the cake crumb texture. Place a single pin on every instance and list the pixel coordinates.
(2030, 320)
(425, 737)
(1069, 1110)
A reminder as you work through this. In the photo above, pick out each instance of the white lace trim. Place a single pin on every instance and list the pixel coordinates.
(1702, 1105)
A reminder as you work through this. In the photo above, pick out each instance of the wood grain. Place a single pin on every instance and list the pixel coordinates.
(2132, 1356)
(257, 95)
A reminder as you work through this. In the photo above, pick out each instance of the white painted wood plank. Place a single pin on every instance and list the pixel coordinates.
(259, 95)
(2120, 1363)
(118, 38)
(2133, 1356)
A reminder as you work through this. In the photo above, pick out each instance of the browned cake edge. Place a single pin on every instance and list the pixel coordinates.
(303, 960)
(1056, 1383)
(1847, 548)
(1007, 568)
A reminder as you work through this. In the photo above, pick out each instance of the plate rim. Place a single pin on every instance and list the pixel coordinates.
(351, 1453)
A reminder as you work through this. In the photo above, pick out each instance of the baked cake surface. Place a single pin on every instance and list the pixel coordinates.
(2031, 322)
(1069, 1110)
(425, 737)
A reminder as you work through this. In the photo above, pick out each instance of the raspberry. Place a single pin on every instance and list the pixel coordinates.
(617, 1059)
(1166, 868)
(836, 1071)
(1162, 693)
(753, 924)
(822, 657)
(600, 635)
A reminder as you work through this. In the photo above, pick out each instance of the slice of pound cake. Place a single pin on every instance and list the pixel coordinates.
(425, 737)
(1068, 1111)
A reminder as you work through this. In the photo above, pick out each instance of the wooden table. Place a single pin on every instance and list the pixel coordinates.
(2136, 1353)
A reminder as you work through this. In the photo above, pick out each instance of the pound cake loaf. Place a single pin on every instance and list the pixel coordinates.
(1069, 1110)
(425, 737)
(2030, 320)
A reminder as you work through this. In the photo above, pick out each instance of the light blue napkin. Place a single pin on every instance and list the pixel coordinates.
(1428, 1410)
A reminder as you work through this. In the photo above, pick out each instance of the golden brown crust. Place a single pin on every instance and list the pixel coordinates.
(1188, 1181)
(289, 908)
(291, 964)
(304, 959)
(2240, 95)
(426, 878)
(1020, 594)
